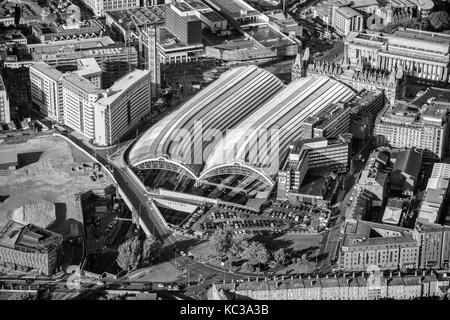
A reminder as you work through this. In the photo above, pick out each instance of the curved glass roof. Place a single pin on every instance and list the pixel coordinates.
(215, 109)
(245, 117)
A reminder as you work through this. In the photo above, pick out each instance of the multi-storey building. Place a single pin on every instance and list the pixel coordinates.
(4, 103)
(29, 247)
(435, 195)
(406, 125)
(329, 123)
(99, 7)
(368, 245)
(46, 90)
(421, 54)
(114, 60)
(79, 95)
(182, 21)
(364, 286)
(366, 106)
(122, 106)
(90, 70)
(391, 84)
(346, 20)
(434, 245)
(375, 178)
(308, 154)
(17, 81)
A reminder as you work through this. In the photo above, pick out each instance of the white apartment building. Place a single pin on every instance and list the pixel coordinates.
(79, 95)
(347, 20)
(46, 90)
(5, 115)
(100, 6)
(426, 129)
(89, 69)
(122, 106)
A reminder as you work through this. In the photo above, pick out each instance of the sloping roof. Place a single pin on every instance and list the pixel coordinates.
(408, 162)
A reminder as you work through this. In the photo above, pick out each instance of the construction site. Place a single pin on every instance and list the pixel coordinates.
(50, 171)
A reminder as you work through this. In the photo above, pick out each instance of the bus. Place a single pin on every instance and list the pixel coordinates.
(59, 128)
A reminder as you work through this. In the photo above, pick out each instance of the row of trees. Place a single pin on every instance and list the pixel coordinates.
(224, 243)
(437, 21)
(136, 253)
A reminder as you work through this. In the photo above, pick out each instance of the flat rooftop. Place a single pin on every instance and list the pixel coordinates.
(197, 5)
(423, 35)
(371, 233)
(150, 15)
(28, 237)
(47, 70)
(213, 16)
(234, 8)
(87, 66)
(121, 85)
(182, 6)
(8, 157)
(348, 12)
(76, 44)
(82, 83)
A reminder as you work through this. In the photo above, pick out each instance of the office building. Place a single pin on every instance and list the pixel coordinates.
(114, 60)
(434, 244)
(347, 20)
(182, 21)
(434, 197)
(79, 96)
(46, 90)
(329, 123)
(5, 116)
(99, 7)
(316, 153)
(366, 106)
(408, 125)
(122, 106)
(18, 86)
(90, 70)
(375, 177)
(421, 54)
(366, 244)
(29, 247)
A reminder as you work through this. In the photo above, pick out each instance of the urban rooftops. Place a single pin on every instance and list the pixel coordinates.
(365, 233)
(30, 238)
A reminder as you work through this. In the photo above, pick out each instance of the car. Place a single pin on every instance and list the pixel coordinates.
(183, 253)
(100, 283)
(160, 285)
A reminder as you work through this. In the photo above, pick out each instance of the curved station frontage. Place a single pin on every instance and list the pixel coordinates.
(229, 140)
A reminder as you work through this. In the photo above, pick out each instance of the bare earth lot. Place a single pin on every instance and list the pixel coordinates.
(46, 175)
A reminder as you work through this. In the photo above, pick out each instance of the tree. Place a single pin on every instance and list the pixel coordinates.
(151, 249)
(280, 256)
(258, 251)
(22, 296)
(130, 254)
(222, 241)
(439, 20)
